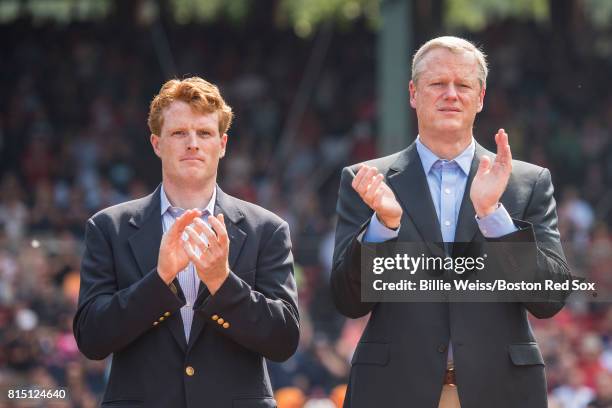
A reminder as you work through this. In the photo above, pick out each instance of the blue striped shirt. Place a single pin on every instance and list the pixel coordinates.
(188, 277)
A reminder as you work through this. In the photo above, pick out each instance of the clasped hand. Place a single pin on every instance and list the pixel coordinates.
(190, 239)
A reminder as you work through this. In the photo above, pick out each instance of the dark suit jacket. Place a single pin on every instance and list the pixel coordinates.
(127, 310)
(401, 358)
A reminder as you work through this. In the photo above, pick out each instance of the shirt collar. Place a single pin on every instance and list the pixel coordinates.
(165, 203)
(429, 158)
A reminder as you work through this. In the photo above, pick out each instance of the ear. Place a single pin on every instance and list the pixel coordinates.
(481, 98)
(413, 91)
(223, 145)
(155, 143)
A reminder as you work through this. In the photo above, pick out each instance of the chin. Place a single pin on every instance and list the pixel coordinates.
(189, 176)
(444, 126)
(195, 175)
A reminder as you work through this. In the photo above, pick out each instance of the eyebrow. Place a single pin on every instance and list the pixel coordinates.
(445, 78)
(203, 128)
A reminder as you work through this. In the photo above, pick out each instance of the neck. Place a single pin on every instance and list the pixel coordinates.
(188, 196)
(446, 146)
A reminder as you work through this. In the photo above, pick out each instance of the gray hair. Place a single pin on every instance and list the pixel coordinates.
(456, 45)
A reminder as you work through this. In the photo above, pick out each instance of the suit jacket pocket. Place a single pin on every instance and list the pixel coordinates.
(371, 353)
(266, 402)
(122, 404)
(523, 354)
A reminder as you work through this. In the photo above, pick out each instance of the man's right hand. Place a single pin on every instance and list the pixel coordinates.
(369, 184)
(172, 256)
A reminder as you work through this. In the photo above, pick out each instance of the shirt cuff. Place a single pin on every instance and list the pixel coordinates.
(378, 232)
(496, 224)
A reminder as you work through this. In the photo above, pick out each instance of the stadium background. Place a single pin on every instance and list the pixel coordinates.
(76, 80)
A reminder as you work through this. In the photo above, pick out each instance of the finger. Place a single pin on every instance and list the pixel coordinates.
(499, 131)
(177, 230)
(498, 149)
(372, 188)
(194, 257)
(509, 155)
(185, 219)
(211, 236)
(359, 176)
(497, 141)
(191, 254)
(363, 170)
(484, 165)
(209, 233)
(367, 179)
(504, 155)
(501, 138)
(195, 239)
(379, 196)
(218, 224)
(199, 226)
(506, 144)
(198, 243)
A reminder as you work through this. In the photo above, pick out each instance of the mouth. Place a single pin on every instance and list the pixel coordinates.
(191, 159)
(449, 110)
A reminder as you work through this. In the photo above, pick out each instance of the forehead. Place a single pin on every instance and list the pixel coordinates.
(441, 61)
(181, 114)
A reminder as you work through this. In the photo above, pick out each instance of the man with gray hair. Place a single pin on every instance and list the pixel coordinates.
(446, 188)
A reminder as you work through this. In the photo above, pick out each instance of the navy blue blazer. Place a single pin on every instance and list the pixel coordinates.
(126, 310)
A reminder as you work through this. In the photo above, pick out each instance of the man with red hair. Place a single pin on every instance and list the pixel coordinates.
(188, 288)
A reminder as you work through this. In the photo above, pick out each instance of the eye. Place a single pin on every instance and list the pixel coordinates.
(204, 133)
(178, 133)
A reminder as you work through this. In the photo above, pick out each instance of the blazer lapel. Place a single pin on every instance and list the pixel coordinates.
(145, 247)
(145, 241)
(233, 216)
(408, 181)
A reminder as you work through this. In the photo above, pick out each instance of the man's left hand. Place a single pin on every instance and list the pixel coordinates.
(212, 265)
(492, 178)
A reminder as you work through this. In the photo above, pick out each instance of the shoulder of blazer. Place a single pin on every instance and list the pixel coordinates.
(236, 210)
(133, 212)
(393, 162)
(520, 169)
(525, 169)
(521, 185)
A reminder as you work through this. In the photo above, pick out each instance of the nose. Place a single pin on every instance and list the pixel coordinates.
(451, 91)
(192, 142)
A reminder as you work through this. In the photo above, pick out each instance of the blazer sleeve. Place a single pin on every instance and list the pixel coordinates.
(540, 250)
(109, 319)
(353, 219)
(263, 318)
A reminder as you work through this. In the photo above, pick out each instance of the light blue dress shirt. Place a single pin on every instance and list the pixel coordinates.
(447, 180)
(188, 278)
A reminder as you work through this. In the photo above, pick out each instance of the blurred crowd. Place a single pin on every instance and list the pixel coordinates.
(73, 140)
